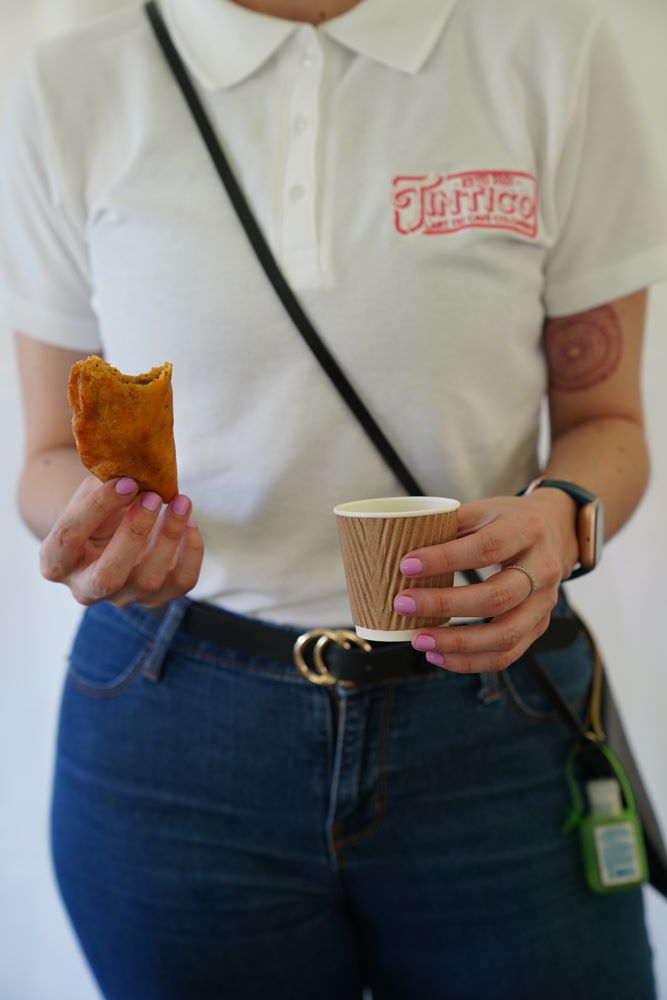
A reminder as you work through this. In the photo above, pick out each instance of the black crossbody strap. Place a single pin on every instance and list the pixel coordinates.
(268, 262)
(301, 321)
(566, 712)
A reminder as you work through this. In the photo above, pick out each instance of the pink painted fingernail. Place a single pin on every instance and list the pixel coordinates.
(192, 523)
(436, 659)
(424, 642)
(151, 501)
(180, 506)
(405, 605)
(125, 486)
(411, 567)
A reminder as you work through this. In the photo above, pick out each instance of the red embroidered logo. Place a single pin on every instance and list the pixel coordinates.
(435, 204)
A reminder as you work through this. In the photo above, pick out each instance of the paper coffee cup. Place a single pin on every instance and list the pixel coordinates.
(374, 536)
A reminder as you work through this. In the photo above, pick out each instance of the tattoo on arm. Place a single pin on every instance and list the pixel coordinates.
(583, 350)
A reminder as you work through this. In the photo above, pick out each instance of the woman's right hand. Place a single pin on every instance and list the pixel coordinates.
(110, 544)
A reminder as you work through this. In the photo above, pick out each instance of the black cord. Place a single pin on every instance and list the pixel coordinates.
(268, 262)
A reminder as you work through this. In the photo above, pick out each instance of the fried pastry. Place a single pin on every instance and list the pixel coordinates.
(123, 424)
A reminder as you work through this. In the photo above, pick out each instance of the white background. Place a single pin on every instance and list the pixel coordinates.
(624, 600)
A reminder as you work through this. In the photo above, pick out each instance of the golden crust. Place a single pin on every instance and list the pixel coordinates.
(124, 424)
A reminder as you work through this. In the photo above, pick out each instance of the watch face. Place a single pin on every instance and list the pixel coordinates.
(591, 533)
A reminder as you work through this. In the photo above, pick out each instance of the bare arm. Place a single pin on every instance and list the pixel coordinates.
(597, 441)
(595, 406)
(52, 470)
(104, 541)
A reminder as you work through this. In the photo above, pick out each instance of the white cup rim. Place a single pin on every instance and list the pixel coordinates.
(391, 507)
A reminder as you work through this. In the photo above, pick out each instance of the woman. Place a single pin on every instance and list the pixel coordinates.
(221, 827)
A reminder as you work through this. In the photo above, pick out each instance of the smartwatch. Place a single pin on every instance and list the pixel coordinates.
(590, 521)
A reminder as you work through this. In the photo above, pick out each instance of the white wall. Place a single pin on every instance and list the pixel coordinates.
(625, 601)
(39, 958)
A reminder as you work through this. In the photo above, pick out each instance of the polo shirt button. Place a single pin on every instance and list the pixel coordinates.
(300, 123)
(307, 59)
(297, 192)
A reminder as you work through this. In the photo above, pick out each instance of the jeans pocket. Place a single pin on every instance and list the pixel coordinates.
(570, 669)
(108, 652)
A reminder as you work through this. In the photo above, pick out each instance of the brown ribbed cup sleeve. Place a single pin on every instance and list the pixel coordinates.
(372, 549)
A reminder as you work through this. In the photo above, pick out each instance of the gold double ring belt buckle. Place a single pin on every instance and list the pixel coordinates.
(322, 636)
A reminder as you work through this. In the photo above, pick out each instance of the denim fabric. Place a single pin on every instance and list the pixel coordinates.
(224, 830)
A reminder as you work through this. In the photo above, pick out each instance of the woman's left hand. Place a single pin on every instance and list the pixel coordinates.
(535, 531)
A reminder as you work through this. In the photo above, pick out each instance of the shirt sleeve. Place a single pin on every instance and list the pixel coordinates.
(45, 287)
(608, 189)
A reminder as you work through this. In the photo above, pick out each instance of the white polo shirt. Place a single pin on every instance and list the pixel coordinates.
(433, 177)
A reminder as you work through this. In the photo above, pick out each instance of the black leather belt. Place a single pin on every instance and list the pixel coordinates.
(329, 656)
(343, 661)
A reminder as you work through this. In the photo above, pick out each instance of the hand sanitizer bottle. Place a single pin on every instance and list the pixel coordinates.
(611, 839)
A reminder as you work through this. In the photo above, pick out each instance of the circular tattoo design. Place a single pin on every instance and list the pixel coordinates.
(583, 350)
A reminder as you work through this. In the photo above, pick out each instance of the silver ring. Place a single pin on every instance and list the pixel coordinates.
(528, 573)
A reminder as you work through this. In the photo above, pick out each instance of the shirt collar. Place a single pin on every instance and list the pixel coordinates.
(400, 34)
(222, 43)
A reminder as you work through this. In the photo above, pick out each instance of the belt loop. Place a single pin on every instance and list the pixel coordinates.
(489, 687)
(161, 641)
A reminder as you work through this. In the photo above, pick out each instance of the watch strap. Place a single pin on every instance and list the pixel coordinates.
(580, 495)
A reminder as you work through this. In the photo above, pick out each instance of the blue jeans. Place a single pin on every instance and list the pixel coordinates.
(224, 830)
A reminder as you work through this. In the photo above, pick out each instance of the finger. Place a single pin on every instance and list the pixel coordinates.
(497, 541)
(184, 574)
(496, 596)
(473, 653)
(147, 578)
(501, 635)
(62, 548)
(107, 575)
